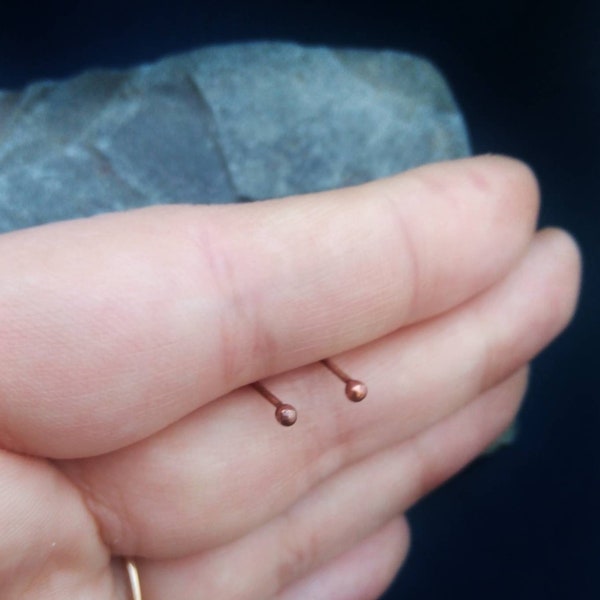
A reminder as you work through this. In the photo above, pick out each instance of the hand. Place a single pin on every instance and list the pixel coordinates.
(127, 425)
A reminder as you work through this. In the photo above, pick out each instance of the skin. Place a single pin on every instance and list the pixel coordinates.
(127, 426)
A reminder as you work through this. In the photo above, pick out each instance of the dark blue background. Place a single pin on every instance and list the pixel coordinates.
(523, 523)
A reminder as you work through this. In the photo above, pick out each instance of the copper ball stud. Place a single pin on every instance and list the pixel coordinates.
(285, 414)
(355, 390)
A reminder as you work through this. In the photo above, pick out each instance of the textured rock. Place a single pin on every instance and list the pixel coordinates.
(217, 125)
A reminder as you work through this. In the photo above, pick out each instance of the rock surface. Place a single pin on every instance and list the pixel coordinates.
(220, 124)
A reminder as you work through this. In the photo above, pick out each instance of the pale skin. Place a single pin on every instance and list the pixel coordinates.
(127, 425)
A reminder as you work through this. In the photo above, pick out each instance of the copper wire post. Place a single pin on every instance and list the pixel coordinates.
(284, 413)
(355, 390)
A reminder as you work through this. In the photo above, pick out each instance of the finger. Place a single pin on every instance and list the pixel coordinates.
(187, 488)
(116, 326)
(362, 573)
(342, 511)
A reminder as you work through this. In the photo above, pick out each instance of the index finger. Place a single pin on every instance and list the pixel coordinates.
(116, 326)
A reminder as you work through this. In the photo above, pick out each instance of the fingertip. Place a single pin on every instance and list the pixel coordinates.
(506, 185)
(511, 180)
(395, 539)
(504, 163)
(402, 535)
(488, 202)
(511, 398)
(363, 572)
(501, 176)
(564, 258)
(520, 172)
(565, 245)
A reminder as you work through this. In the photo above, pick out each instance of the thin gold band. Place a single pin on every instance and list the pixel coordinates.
(134, 579)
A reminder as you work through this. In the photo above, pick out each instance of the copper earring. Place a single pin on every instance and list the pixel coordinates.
(286, 414)
(355, 390)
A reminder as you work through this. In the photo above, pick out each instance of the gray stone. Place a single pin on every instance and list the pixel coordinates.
(220, 124)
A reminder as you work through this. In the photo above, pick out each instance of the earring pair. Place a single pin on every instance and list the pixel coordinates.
(287, 415)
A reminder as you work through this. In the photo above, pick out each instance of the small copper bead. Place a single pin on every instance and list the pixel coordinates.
(286, 414)
(356, 390)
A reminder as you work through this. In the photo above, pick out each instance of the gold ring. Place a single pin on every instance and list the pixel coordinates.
(134, 578)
